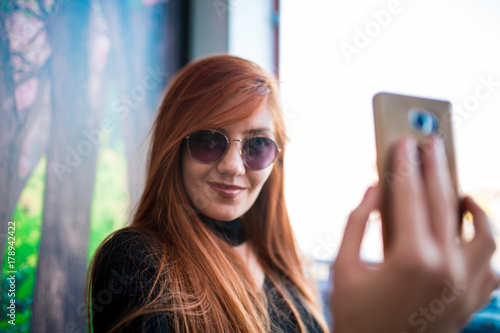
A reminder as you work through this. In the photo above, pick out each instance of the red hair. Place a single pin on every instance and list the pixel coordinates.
(209, 286)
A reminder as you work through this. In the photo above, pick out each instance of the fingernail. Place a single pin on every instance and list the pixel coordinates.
(439, 148)
(438, 143)
(410, 146)
(370, 190)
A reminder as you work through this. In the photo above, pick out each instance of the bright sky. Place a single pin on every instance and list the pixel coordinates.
(335, 55)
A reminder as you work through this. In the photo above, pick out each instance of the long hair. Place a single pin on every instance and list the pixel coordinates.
(201, 281)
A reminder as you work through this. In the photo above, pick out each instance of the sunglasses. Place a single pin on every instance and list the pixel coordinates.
(208, 146)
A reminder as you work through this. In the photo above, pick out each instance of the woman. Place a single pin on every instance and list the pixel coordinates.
(210, 248)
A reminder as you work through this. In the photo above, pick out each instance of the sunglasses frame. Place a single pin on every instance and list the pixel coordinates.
(228, 140)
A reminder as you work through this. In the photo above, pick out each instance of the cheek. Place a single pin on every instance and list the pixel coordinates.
(192, 170)
(193, 174)
(259, 178)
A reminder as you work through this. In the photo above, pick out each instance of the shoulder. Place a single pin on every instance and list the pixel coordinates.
(129, 242)
(130, 258)
(124, 274)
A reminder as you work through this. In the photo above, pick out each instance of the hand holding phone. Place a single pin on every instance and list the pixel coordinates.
(424, 262)
(398, 116)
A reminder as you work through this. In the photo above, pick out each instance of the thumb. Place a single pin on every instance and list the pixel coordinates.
(349, 251)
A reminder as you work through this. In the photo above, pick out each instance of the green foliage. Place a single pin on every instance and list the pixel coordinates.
(110, 199)
(108, 213)
(28, 217)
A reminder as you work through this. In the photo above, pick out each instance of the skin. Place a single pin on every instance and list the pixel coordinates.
(230, 169)
(428, 281)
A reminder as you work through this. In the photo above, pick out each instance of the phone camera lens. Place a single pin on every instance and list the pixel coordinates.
(423, 121)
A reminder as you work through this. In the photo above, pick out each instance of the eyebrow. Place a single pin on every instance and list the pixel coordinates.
(258, 131)
(252, 131)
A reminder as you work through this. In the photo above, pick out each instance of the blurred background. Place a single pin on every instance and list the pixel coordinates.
(80, 82)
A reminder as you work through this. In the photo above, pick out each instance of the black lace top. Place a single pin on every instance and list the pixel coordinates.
(123, 272)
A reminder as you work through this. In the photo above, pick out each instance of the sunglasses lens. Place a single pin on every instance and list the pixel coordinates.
(207, 146)
(259, 152)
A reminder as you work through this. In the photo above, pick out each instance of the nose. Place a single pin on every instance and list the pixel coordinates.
(232, 163)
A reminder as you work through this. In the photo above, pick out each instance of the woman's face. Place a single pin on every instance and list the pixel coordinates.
(203, 182)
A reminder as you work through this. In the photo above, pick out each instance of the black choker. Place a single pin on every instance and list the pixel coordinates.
(230, 231)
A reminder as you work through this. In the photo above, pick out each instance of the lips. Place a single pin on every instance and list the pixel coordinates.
(228, 191)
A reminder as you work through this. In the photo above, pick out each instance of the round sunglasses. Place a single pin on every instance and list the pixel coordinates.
(208, 146)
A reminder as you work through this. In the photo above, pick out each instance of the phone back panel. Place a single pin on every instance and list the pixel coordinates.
(397, 116)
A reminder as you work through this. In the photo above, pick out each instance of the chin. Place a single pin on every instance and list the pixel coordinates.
(222, 215)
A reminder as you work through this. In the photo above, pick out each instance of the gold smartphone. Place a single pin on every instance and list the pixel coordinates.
(397, 116)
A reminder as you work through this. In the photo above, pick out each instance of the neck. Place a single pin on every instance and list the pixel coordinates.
(230, 231)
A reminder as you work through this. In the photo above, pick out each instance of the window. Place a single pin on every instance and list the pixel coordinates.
(335, 55)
